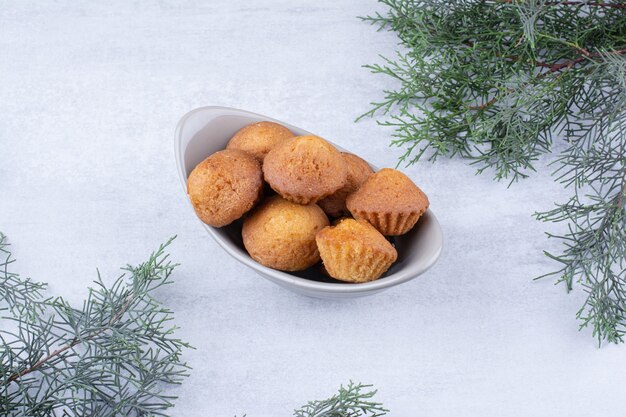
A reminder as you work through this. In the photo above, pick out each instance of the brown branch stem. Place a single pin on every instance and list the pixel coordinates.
(552, 69)
(70, 345)
(571, 63)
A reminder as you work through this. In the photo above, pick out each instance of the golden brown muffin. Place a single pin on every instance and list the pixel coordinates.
(305, 169)
(258, 138)
(223, 187)
(358, 171)
(390, 201)
(281, 235)
(354, 251)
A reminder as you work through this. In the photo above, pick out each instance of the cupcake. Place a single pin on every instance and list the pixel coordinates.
(305, 169)
(390, 201)
(258, 138)
(358, 171)
(354, 251)
(281, 235)
(225, 186)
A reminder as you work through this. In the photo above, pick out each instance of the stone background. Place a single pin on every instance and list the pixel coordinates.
(90, 93)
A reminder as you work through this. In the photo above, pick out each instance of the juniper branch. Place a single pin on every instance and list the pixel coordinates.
(111, 357)
(21, 296)
(497, 82)
(354, 400)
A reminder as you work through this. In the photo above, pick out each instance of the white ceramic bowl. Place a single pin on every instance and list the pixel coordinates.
(206, 130)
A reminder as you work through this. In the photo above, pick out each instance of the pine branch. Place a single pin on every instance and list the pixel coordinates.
(552, 68)
(595, 167)
(583, 3)
(350, 401)
(354, 400)
(497, 82)
(21, 296)
(111, 357)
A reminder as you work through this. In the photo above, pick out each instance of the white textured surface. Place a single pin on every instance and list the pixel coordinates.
(89, 97)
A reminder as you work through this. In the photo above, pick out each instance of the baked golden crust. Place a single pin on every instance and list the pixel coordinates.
(259, 138)
(354, 251)
(390, 201)
(305, 169)
(280, 234)
(358, 171)
(225, 186)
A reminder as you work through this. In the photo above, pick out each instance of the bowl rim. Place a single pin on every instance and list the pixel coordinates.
(399, 277)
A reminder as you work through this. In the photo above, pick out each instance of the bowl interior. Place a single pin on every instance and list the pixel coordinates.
(207, 130)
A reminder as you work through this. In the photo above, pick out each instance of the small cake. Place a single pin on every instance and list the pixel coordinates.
(258, 138)
(281, 235)
(225, 186)
(305, 169)
(390, 201)
(358, 171)
(354, 251)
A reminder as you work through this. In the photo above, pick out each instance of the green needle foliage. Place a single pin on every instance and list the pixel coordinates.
(355, 400)
(112, 356)
(497, 82)
(21, 297)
